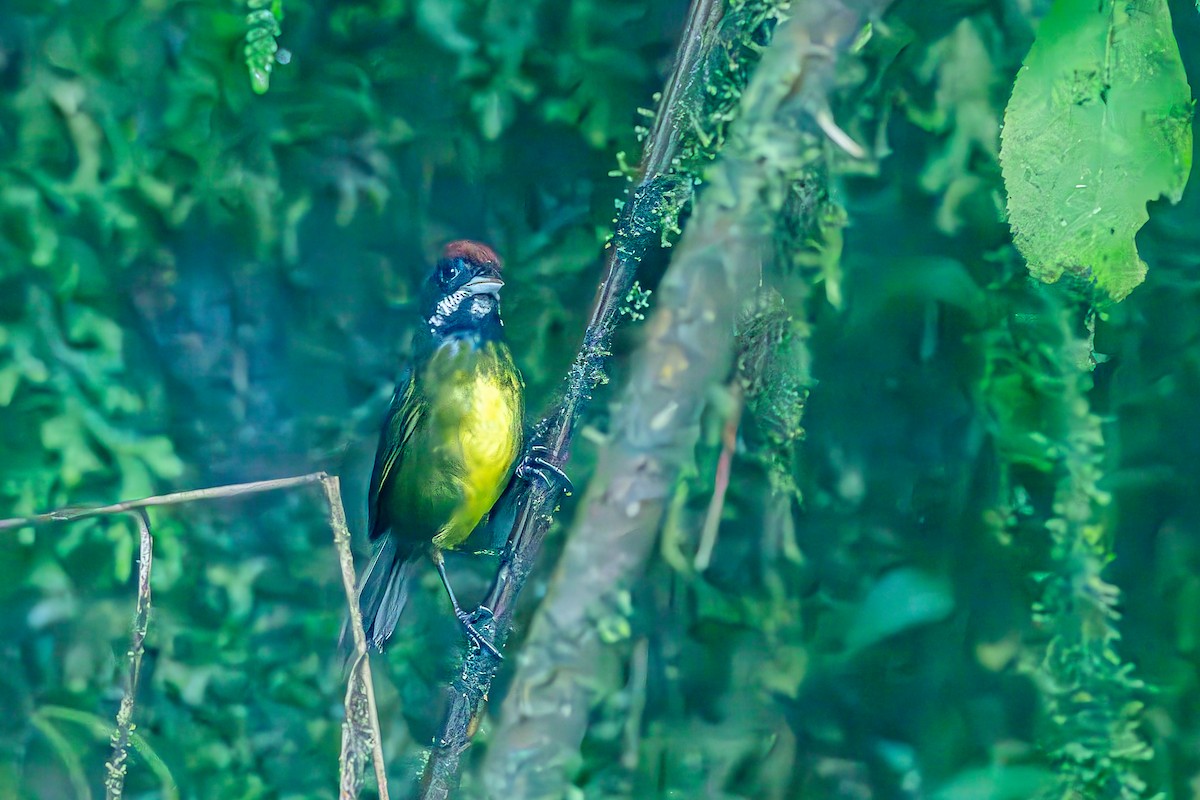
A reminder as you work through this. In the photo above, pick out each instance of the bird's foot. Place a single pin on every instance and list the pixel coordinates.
(481, 614)
(536, 465)
(468, 621)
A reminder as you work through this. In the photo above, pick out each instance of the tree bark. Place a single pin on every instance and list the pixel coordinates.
(688, 349)
(639, 228)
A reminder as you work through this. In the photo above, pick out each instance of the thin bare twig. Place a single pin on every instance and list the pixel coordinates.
(360, 734)
(360, 731)
(639, 668)
(114, 781)
(638, 230)
(175, 498)
(712, 519)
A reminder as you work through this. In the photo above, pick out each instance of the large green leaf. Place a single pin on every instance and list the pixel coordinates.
(997, 782)
(902, 599)
(1098, 125)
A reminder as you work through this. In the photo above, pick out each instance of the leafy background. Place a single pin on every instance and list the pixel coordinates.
(200, 284)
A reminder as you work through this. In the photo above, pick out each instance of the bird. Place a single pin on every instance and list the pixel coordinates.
(450, 439)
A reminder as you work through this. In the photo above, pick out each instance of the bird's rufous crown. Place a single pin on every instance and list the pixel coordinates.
(471, 251)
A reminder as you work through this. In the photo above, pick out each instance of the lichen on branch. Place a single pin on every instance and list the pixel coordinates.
(689, 348)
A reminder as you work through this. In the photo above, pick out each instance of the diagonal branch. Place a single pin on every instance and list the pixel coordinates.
(689, 349)
(638, 230)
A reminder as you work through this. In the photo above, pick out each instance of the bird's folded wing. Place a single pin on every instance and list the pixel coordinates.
(402, 416)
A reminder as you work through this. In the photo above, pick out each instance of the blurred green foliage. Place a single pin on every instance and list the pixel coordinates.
(199, 284)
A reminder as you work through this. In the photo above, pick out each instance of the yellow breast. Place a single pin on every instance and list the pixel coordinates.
(483, 418)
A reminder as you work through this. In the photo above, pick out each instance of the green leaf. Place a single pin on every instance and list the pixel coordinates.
(1098, 125)
(10, 377)
(63, 748)
(441, 21)
(996, 783)
(903, 598)
(102, 729)
(122, 537)
(88, 328)
(66, 434)
(159, 454)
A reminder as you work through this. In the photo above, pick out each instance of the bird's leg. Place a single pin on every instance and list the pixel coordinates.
(535, 464)
(467, 620)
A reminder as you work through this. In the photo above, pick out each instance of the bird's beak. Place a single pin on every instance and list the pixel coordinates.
(484, 284)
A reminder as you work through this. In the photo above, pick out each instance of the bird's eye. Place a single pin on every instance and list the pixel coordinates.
(448, 273)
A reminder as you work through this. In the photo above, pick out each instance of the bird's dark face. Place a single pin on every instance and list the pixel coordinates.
(462, 296)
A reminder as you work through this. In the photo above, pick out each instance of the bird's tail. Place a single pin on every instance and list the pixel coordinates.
(383, 592)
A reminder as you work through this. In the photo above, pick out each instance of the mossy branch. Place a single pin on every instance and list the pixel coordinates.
(689, 349)
(1089, 690)
(638, 229)
(1090, 693)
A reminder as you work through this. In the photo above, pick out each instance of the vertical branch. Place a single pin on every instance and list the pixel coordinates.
(1091, 696)
(115, 769)
(360, 732)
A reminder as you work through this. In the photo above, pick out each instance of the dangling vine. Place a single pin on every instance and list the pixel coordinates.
(1099, 124)
(1054, 461)
(262, 48)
